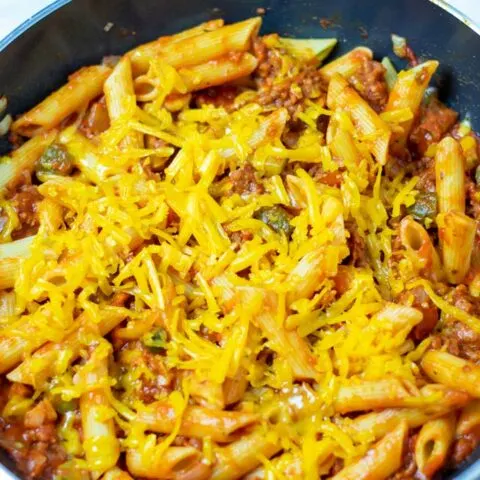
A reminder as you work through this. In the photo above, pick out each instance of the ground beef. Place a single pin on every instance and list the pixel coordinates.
(33, 443)
(422, 302)
(25, 203)
(458, 338)
(221, 96)
(332, 179)
(244, 181)
(464, 446)
(472, 190)
(434, 121)
(356, 245)
(240, 236)
(370, 83)
(159, 381)
(425, 170)
(290, 92)
(96, 119)
(409, 467)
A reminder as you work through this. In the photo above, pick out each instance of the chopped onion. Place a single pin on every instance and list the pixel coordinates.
(3, 104)
(399, 46)
(5, 124)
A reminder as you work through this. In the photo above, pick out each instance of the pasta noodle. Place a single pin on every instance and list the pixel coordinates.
(224, 257)
(82, 87)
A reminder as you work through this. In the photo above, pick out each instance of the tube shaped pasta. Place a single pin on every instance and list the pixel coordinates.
(368, 395)
(36, 369)
(270, 128)
(469, 419)
(116, 474)
(452, 371)
(234, 388)
(82, 87)
(118, 89)
(408, 92)
(156, 464)
(242, 456)
(290, 345)
(381, 461)
(205, 46)
(11, 255)
(196, 471)
(380, 423)
(450, 176)
(218, 71)
(344, 97)
(347, 64)
(120, 98)
(419, 248)
(24, 159)
(343, 147)
(151, 49)
(433, 443)
(287, 464)
(100, 442)
(221, 426)
(457, 236)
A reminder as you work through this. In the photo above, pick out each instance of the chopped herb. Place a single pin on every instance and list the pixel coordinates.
(399, 46)
(156, 340)
(424, 207)
(477, 175)
(390, 72)
(63, 406)
(55, 161)
(277, 218)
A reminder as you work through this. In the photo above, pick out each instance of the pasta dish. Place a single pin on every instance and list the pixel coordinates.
(224, 257)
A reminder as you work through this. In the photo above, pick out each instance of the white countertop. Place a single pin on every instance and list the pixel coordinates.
(14, 12)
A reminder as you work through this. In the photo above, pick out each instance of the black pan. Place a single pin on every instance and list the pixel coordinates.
(37, 57)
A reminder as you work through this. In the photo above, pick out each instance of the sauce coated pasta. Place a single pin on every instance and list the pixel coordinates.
(224, 257)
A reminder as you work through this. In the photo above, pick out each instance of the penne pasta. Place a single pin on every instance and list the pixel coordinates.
(207, 46)
(347, 64)
(408, 92)
(289, 344)
(242, 456)
(45, 362)
(228, 268)
(343, 146)
(282, 466)
(419, 249)
(24, 159)
(469, 419)
(381, 461)
(452, 371)
(206, 392)
(150, 50)
(82, 87)
(121, 100)
(457, 237)
(234, 388)
(379, 424)
(218, 71)
(156, 464)
(116, 474)
(270, 128)
(450, 176)
(342, 96)
(100, 442)
(221, 426)
(11, 255)
(369, 395)
(433, 444)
